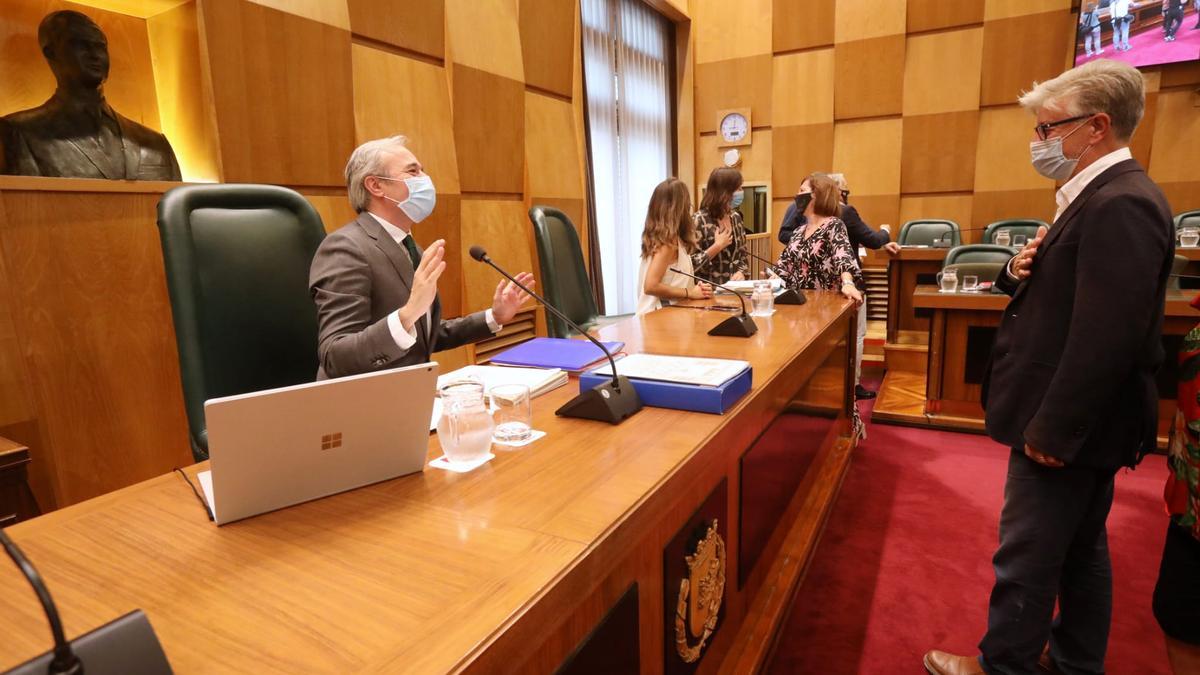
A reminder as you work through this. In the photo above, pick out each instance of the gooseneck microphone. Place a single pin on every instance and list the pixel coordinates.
(789, 296)
(735, 326)
(610, 402)
(64, 660)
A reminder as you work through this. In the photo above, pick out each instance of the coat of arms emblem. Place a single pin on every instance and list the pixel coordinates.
(701, 593)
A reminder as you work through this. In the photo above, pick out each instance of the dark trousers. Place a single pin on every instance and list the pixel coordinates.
(1171, 21)
(1053, 546)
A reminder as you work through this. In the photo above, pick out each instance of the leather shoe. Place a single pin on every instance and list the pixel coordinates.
(862, 393)
(941, 663)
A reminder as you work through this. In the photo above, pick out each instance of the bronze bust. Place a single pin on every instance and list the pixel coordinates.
(76, 133)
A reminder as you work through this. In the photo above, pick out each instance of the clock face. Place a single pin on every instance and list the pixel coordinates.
(734, 127)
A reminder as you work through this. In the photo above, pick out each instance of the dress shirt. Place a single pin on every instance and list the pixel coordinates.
(405, 339)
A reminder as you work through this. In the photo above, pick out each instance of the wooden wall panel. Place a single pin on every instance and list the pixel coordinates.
(26, 77)
(334, 209)
(1002, 152)
(798, 152)
(951, 207)
(988, 207)
(1182, 196)
(503, 224)
(803, 88)
(486, 36)
(293, 125)
(1007, 70)
(731, 30)
(926, 15)
(1144, 135)
(187, 119)
(737, 83)
(329, 12)
(942, 72)
(548, 44)
(1004, 9)
(550, 148)
(489, 131)
(1180, 74)
(756, 158)
(143, 9)
(447, 223)
(381, 79)
(863, 19)
(98, 337)
(938, 154)
(801, 25)
(1176, 137)
(879, 210)
(422, 31)
(868, 153)
(869, 75)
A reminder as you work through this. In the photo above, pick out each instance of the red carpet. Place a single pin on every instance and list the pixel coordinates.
(905, 562)
(1148, 48)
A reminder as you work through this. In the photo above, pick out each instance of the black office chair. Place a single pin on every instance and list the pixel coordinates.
(564, 279)
(237, 260)
(978, 253)
(1187, 219)
(1178, 265)
(1015, 226)
(926, 231)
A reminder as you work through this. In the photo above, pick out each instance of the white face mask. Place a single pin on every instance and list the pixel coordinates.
(1048, 158)
(422, 197)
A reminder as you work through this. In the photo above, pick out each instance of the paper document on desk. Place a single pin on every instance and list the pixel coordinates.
(682, 369)
(746, 286)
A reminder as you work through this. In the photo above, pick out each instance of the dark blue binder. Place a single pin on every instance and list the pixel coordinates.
(679, 396)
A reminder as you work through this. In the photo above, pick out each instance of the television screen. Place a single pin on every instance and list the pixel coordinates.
(1140, 33)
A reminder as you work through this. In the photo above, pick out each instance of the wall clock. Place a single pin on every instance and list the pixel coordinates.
(733, 127)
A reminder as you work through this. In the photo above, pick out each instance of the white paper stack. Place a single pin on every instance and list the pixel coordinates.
(746, 286)
(539, 380)
(682, 369)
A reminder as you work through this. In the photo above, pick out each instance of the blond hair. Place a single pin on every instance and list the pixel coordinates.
(668, 218)
(1101, 86)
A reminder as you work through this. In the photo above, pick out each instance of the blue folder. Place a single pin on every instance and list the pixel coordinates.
(569, 355)
(680, 396)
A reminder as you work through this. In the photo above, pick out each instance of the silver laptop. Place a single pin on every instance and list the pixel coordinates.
(280, 447)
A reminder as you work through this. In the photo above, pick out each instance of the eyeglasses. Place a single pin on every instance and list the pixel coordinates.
(1043, 129)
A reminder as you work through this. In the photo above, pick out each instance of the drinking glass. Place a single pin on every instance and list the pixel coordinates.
(512, 411)
(465, 429)
(1003, 238)
(948, 280)
(762, 300)
(970, 283)
(1019, 240)
(1189, 237)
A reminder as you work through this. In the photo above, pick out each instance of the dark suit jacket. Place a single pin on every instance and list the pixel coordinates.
(36, 145)
(1072, 371)
(860, 233)
(359, 276)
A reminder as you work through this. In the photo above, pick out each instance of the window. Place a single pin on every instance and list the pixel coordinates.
(627, 50)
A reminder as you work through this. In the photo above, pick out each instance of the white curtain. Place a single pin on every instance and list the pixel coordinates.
(625, 58)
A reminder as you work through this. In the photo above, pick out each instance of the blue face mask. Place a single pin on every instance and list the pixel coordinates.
(422, 197)
(737, 199)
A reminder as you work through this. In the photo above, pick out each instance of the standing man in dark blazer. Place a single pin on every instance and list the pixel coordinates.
(375, 289)
(1071, 384)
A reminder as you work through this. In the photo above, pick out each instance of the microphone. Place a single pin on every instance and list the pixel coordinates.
(789, 296)
(741, 325)
(610, 402)
(64, 660)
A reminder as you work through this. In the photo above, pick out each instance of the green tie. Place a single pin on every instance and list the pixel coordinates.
(413, 253)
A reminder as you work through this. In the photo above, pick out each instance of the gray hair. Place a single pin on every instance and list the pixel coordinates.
(1101, 86)
(367, 160)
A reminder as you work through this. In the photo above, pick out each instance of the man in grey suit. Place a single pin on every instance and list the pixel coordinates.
(375, 289)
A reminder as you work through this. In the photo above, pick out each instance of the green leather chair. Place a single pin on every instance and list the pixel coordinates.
(925, 232)
(564, 279)
(1187, 219)
(986, 271)
(1015, 226)
(978, 253)
(237, 260)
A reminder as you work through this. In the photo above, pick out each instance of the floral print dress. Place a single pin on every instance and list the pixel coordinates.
(1182, 491)
(818, 261)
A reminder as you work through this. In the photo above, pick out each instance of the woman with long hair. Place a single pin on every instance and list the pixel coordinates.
(667, 240)
(721, 253)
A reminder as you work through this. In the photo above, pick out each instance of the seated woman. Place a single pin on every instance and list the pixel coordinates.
(819, 255)
(667, 241)
(721, 254)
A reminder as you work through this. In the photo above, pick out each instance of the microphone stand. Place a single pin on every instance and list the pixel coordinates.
(65, 661)
(741, 325)
(789, 296)
(611, 401)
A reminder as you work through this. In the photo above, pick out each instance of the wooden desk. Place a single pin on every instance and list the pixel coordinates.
(16, 499)
(509, 568)
(906, 270)
(960, 338)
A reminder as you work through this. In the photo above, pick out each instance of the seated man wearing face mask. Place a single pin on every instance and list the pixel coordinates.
(376, 291)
